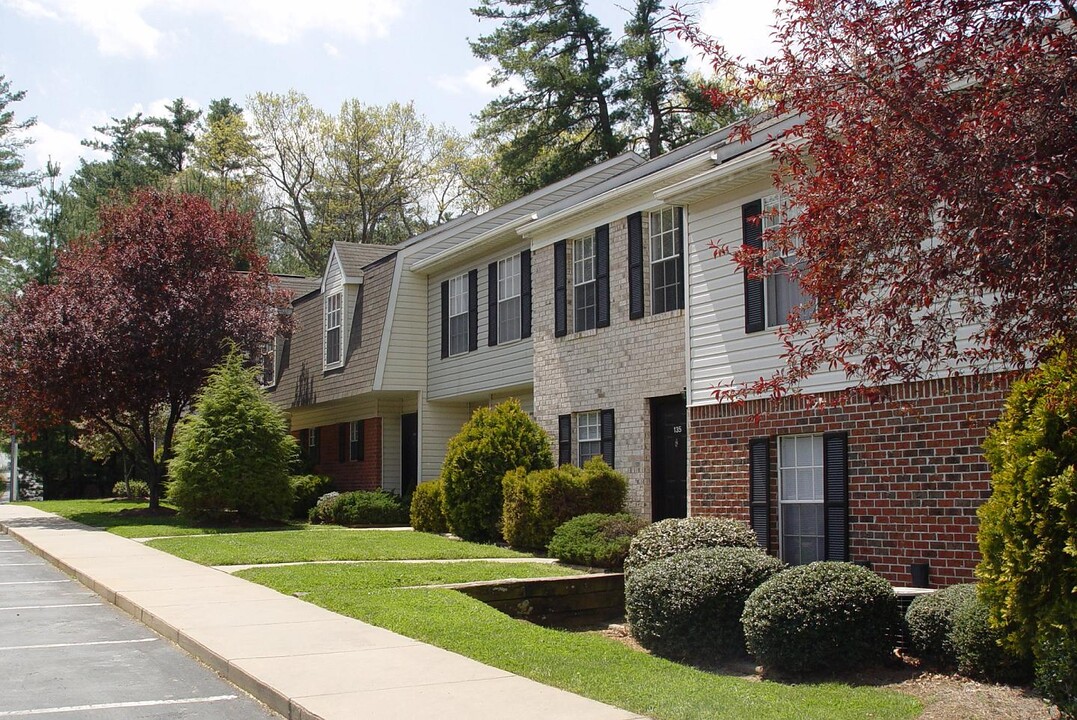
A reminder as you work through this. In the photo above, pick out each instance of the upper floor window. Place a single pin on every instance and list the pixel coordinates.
(268, 376)
(588, 436)
(509, 300)
(458, 315)
(783, 291)
(334, 329)
(584, 295)
(665, 235)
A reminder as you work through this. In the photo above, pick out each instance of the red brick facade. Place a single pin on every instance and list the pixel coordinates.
(916, 469)
(349, 475)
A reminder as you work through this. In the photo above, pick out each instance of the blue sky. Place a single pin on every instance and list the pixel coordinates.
(84, 61)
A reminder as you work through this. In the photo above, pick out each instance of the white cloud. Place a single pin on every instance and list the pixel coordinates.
(121, 27)
(476, 81)
(331, 50)
(60, 146)
(743, 27)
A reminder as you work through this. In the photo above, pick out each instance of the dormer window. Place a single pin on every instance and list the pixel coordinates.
(334, 329)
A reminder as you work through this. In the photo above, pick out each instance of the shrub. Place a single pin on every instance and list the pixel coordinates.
(360, 508)
(308, 489)
(689, 604)
(493, 442)
(131, 490)
(233, 451)
(977, 646)
(1027, 527)
(1056, 669)
(930, 620)
(596, 539)
(676, 535)
(536, 503)
(826, 617)
(426, 512)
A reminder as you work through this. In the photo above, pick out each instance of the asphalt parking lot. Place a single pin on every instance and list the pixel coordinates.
(66, 653)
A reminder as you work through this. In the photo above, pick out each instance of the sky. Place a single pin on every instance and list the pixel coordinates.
(82, 62)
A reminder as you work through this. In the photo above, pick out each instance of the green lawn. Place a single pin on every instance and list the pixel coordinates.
(584, 663)
(324, 543)
(106, 514)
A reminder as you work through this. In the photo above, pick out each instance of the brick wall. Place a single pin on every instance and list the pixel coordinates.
(916, 469)
(362, 474)
(617, 367)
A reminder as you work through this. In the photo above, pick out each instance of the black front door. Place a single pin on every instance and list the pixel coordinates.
(669, 457)
(409, 452)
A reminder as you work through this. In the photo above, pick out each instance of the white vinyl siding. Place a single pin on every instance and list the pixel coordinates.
(458, 315)
(800, 494)
(584, 286)
(334, 329)
(588, 436)
(663, 228)
(509, 300)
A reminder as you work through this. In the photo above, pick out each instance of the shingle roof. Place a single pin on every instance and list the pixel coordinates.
(299, 285)
(355, 256)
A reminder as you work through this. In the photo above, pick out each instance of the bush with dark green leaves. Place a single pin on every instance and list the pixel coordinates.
(822, 618)
(426, 512)
(1056, 669)
(676, 535)
(1028, 570)
(131, 490)
(493, 442)
(930, 620)
(360, 508)
(537, 502)
(978, 647)
(689, 605)
(307, 489)
(233, 452)
(595, 539)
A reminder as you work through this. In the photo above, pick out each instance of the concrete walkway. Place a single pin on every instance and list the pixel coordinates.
(301, 660)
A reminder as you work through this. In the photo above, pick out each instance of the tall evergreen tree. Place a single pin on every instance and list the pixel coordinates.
(12, 141)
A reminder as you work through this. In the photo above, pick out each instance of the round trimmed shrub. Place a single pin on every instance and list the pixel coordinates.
(426, 512)
(676, 535)
(826, 617)
(493, 442)
(978, 647)
(595, 539)
(930, 620)
(360, 508)
(307, 489)
(689, 605)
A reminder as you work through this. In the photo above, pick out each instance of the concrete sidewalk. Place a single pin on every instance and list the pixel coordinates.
(301, 660)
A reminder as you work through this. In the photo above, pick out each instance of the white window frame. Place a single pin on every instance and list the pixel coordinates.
(663, 227)
(584, 278)
(334, 320)
(791, 493)
(588, 436)
(509, 299)
(459, 315)
(774, 210)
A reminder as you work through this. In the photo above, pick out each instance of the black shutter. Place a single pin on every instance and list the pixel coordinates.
(751, 223)
(602, 276)
(359, 448)
(564, 439)
(317, 454)
(491, 304)
(473, 310)
(635, 266)
(606, 425)
(759, 489)
(445, 319)
(560, 305)
(304, 442)
(679, 215)
(525, 294)
(836, 495)
(343, 440)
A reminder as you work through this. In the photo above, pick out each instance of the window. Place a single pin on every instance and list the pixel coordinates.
(665, 233)
(355, 440)
(783, 292)
(313, 437)
(509, 300)
(584, 298)
(458, 315)
(800, 492)
(268, 376)
(334, 329)
(588, 436)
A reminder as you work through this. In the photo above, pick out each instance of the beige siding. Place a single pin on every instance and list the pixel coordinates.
(405, 357)
(440, 421)
(389, 411)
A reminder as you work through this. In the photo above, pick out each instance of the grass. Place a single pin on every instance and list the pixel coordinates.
(324, 543)
(584, 663)
(106, 514)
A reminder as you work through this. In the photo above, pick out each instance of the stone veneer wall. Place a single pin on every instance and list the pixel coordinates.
(916, 469)
(617, 367)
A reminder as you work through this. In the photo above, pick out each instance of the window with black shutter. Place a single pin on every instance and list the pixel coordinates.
(602, 276)
(473, 310)
(560, 292)
(759, 489)
(608, 437)
(836, 494)
(357, 440)
(525, 294)
(635, 266)
(445, 319)
(342, 441)
(755, 318)
(491, 304)
(564, 439)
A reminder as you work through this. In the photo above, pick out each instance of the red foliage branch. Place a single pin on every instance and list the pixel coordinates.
(935, 174)
(137, 315)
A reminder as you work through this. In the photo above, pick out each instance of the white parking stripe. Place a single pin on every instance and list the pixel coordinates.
(111, 706)
(11, 552)
(35, 582)
(81, 644)
(47, 607)
(21, 564)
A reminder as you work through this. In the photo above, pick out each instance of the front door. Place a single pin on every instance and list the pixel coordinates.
(409, 453)
(669, 457)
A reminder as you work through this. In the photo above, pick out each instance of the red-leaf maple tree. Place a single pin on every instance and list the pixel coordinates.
(934, 173)
(138, 313)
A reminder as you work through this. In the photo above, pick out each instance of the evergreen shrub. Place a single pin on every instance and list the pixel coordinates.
(131, 490)
(676, 535)
(595, 539)
(307, 490)
(427, 514)
(360, 508)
